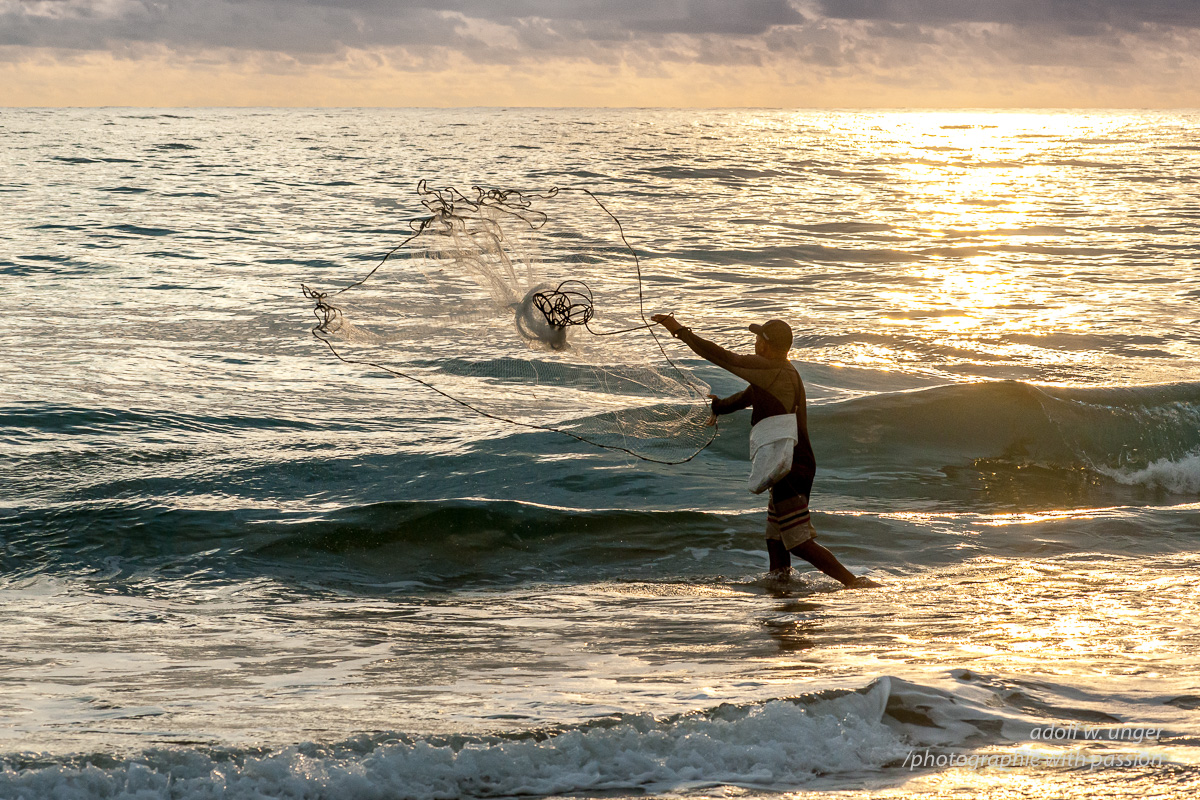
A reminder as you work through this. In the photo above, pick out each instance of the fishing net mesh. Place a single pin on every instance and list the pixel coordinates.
(528, 309)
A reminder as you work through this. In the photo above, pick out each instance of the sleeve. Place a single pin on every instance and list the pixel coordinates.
(735, 402)
(755, 369)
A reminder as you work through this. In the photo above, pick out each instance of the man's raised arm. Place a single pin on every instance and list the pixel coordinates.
(754, 369)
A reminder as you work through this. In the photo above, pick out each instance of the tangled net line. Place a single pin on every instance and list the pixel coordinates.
(566, 307)
(569, 304)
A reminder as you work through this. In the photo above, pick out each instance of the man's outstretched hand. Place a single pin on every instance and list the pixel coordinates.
(668, 321)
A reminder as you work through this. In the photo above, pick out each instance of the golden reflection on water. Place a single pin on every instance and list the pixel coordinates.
(987, 225)
(975, 182)
(1067, 616)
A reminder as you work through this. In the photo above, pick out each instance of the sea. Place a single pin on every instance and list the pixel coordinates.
(233, 566)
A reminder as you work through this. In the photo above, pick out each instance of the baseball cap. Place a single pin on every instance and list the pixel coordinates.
(775, 331)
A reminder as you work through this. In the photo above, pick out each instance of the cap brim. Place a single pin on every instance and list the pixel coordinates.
(756, 328)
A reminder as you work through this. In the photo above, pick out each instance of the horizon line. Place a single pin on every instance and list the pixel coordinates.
(608, 108)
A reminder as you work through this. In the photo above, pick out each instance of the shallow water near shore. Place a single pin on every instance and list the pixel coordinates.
(233, 566)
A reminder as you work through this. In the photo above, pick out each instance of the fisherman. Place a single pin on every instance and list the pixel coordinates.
(775, 389)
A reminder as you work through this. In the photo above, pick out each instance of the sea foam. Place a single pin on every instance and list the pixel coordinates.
(776, 745)
(1180, 477)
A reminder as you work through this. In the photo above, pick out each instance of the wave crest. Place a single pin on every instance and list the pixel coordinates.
(773, 745)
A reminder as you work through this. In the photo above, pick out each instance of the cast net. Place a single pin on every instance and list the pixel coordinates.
(527, 308)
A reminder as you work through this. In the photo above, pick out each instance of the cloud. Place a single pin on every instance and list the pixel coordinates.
(292, 26)
(491, 30)
(309, 26)
(887, 52)
(1043, 14)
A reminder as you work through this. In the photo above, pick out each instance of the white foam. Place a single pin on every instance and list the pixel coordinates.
(1179, 477)
(778, 744)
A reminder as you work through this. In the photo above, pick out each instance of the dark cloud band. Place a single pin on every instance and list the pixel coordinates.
(822, 34)
(306, 26)
(1031, 13)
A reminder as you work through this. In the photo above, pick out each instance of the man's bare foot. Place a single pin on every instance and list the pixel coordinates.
(781, 574)
(863, 582)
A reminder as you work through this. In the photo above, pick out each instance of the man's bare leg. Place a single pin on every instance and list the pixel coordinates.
(827, 562)
(781, 560)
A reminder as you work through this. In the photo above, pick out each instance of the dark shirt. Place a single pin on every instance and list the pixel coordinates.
(775, 388)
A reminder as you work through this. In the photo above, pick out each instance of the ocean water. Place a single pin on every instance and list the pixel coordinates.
(232, 566)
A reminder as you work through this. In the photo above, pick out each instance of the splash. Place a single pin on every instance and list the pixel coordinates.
(1178, 477)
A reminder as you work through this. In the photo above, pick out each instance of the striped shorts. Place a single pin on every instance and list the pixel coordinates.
(788, 520)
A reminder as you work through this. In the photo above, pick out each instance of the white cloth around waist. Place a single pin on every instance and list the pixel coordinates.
(772, 441)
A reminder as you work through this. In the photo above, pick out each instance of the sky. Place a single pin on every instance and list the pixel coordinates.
(679, 53)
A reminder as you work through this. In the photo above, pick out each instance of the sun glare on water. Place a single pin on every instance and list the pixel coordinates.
(986, 238)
